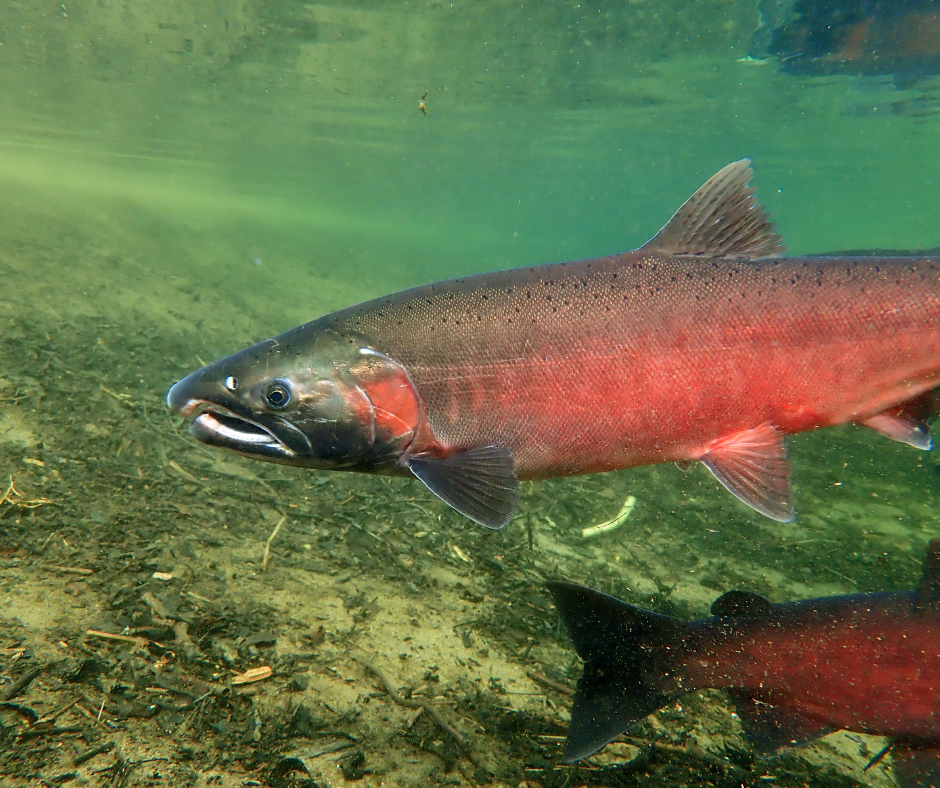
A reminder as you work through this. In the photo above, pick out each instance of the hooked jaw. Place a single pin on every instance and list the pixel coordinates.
(339, 406)
(216, 427)
(225, 424)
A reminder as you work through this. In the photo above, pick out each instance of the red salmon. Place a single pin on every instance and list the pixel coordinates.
(704, 344)
(796, 671)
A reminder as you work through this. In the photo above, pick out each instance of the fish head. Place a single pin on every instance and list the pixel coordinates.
(311, 397)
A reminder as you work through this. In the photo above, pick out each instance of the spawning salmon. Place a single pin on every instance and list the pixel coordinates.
(705, 344)
(796, 671)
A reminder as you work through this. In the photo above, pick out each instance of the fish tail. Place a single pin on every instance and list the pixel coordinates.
(630, 660)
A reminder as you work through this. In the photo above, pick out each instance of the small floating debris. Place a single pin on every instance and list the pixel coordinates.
(611, 525)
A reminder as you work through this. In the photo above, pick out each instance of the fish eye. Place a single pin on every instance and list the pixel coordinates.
(231, 383)
(277, 395)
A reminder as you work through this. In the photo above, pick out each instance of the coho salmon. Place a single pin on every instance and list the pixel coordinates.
(705, 344)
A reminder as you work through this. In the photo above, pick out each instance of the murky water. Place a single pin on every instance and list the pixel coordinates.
(180, 179)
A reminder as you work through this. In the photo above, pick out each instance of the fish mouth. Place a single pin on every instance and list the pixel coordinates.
(216, 426)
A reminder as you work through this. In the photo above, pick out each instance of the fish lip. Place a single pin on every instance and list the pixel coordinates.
(220, 422)
(187, 408)
(218, 426)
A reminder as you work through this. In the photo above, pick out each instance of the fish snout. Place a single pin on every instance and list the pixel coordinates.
(181, 399)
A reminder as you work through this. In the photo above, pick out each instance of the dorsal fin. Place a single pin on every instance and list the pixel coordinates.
(928, 592)
(742, 603)
(722, 219)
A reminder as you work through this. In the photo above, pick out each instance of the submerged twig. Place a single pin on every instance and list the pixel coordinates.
(70, 570)
(267, 544)
(13, 497)
(21, 683)
(545, 681)
(698, 753)
(184, 473)
(140, 642)
(11, 490)
(32, 733)
(90, 753)
(410, 703)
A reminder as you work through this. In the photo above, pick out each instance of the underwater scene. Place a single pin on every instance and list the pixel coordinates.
(442, 538)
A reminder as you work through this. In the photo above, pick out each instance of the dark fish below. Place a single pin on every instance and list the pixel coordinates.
(705, 344)
(868, 663)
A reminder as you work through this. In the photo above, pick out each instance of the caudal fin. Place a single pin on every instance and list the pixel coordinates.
(629, 656)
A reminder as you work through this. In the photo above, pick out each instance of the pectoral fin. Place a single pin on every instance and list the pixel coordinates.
(480, 483)
(900, 429)
(753, 466)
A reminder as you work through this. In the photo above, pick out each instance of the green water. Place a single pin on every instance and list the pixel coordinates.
(182, 178)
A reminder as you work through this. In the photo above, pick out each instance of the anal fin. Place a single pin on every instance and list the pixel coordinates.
(770, 728)
(480, 483)
(753, 466)
(908, 422)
